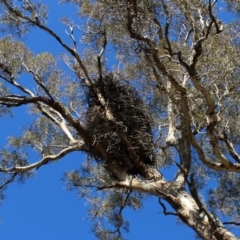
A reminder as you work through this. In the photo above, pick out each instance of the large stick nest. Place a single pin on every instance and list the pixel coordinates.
(130, 116)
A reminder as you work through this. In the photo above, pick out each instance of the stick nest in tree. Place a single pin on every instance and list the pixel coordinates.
(130, 116)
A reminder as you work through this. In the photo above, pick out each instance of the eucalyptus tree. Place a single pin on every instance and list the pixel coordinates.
(143, 85)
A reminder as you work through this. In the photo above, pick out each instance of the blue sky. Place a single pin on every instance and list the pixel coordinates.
(43, 209)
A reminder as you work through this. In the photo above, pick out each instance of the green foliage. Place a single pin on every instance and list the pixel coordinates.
(12, 54)
(224, 198)
(31, 10)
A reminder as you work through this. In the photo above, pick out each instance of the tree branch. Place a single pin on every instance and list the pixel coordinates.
(38, 81)
(232, 223)
(12, 80)
(231, 148)
(11, 179)
(101, 53)
(165, 209)
(44, 160)
(62, 124)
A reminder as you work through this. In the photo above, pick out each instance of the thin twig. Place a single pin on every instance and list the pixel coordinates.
(9, 180)
(165, 209)
(232, 223)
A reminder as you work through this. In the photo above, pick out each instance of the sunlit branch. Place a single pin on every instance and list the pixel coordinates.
(12, 80)
(211, 164)
(71, 107)
(71, 34)
(162, 189)
(16, 100)
(171, 138)
(100, 54)
(38, 81)
(44, 160)
(61, 123)
(184, 143)
(215, 145)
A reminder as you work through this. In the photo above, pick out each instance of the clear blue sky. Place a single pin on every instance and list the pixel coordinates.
(43, 209)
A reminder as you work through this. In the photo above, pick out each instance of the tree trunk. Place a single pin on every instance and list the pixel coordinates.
(206, 225)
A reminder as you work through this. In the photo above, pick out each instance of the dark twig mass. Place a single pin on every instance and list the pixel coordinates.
(130, 116)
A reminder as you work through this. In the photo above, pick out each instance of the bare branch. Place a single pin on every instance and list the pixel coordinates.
(231, 148)
(100, 54)
(44, 160)
(71, 34)
(232, 223)
(218, 25)
(12, 80)
(165, 212)
(11, 179)
(38, 80)
(214, 165)
(61, 123)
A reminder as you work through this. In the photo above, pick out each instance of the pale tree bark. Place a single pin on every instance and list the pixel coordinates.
(191, 212)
